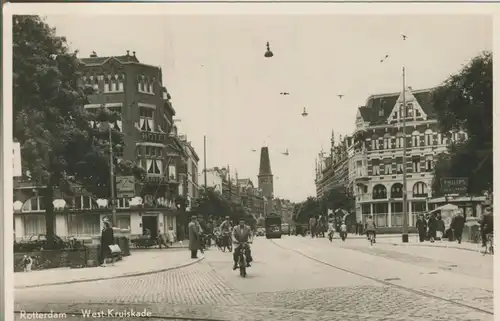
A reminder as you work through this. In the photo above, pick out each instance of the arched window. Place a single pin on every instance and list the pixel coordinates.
(387, 141)
(114, 83)
(34, 204)
(420, 189)
(399, 140)
(415, 139)
(379, 192)
(428, 137)
(397, 190)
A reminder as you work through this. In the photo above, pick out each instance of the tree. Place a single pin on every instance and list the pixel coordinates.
(339, 197)
(211, 203)
(465, 102)
(59, 147)
(303, 211)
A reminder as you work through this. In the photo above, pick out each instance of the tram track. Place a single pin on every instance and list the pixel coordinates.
(384, 282)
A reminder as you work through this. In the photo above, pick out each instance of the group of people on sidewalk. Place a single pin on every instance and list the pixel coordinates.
(432, 227)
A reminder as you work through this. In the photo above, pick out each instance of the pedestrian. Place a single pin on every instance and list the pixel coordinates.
(194, 231)
(421, 226)
(432, 225)
(171, 235)
(27, 263)
(439, 228)
(107, 239)
(312, 226)
(457, 225)
(486, 225)
(161, 240)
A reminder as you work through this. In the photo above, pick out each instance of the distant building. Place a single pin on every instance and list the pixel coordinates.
(192, 170)
(265, 178)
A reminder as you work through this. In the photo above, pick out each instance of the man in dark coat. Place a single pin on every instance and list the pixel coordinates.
(486, 225)
(432, 224)
(457, 224)
(107, 239)
(421, 226)
(194, 231)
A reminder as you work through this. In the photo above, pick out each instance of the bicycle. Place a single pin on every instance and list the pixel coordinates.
(371, 238)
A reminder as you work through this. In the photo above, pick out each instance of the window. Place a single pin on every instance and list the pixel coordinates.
(146, 121)
(376, 169)
(374, 143)
(388, 169)
(381, 111)
(420, 189)
(122, 203)
(399, 166)
(83, 202)
(399, 140)
(172, 172)
(428, 137)
(35, 204)
(153, 151)
(107, 84)
(379, 192)
(409, 110)
(428, 163)
(415, 163)
(415, 139)
(396, 116)
(34, 225)
(84, 225)
(387, 141)
(154, 166)
(121, 82)
(151, 86)
(397, 190)
(117, 110)
(123, 221)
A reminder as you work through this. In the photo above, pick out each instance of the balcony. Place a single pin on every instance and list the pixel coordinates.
(362, 177)
(154, 137)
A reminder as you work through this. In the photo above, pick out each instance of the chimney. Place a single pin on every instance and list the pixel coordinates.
(133, 52)
(128, 53)
(93, 54)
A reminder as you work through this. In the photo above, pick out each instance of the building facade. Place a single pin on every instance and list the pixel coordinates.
(336, 169)
(193, 188)
(134, 91)
(378, 156)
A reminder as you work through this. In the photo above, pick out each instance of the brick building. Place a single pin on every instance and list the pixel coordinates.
(378, 152)
(133, 90)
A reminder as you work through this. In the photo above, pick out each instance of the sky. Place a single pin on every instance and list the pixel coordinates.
(224, 88)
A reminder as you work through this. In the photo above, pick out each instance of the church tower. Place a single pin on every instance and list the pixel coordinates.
(265, 176)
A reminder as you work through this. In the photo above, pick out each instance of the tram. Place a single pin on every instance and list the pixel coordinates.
(273, 226)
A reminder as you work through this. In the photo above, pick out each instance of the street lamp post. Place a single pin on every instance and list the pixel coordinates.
(205, 161)
(112, 178)
(405, 196)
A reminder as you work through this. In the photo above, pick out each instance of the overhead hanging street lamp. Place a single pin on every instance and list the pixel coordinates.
(268, 53)
(304, 113)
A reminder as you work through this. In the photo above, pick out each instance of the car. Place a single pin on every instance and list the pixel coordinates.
(285, 229)
(261, 231)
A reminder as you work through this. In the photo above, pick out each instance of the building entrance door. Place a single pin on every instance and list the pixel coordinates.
(150, 223)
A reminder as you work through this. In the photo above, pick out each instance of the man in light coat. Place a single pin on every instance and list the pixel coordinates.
(194, 231)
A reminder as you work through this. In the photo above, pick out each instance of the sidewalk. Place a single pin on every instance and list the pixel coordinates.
(395, 239)
(139, 263)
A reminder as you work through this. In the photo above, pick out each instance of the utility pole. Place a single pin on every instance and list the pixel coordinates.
(405, 196)
(205, 161)
(112, 178)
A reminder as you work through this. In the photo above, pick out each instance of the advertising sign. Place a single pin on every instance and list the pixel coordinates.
(125, 186)
(455, 185)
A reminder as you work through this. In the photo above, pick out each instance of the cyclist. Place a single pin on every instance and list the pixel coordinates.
(370, 228)
(225, 229)
(242, 233)
(331, 228)
(343, 231)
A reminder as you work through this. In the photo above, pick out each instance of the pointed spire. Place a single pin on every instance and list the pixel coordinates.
(265, 163)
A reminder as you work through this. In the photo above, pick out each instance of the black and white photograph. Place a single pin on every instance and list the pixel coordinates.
(250, 165)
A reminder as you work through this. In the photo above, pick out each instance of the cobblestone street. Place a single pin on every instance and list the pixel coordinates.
(286, 283)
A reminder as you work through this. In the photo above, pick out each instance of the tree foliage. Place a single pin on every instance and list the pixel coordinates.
(338, 197)
(212, 203)
(59, 147)
(465, 102)
(305, 210)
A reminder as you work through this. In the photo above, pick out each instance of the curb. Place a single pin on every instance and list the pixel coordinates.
(441, 246)
(129, 275)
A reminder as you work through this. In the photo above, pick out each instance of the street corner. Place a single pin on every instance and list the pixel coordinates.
(138, 264)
